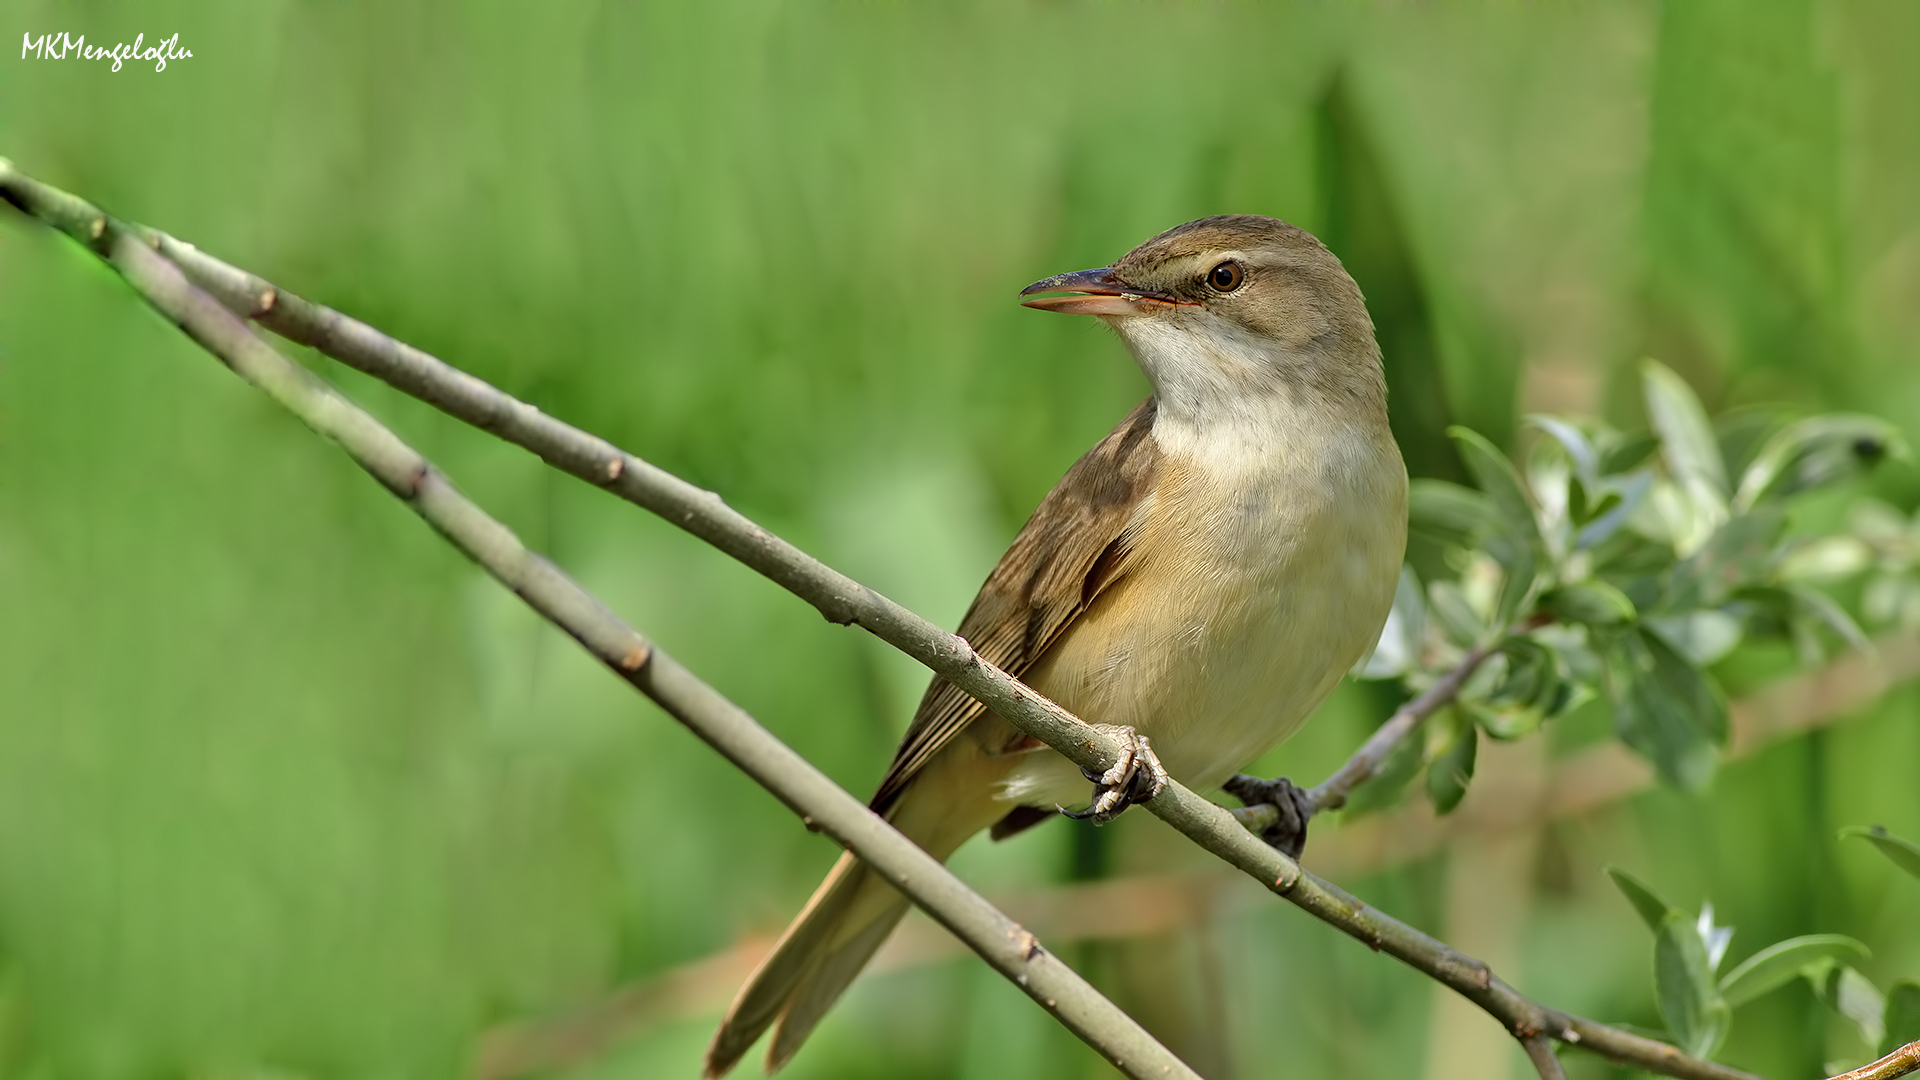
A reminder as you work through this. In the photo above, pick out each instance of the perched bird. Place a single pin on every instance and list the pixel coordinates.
(1198, 582)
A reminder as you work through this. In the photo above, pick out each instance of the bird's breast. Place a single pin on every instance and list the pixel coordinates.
(1254, 586)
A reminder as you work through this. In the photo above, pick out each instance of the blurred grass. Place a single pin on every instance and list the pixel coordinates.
(286, 789)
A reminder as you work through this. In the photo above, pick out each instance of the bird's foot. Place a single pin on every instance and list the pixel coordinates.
(1135, 778)
(1295, 808)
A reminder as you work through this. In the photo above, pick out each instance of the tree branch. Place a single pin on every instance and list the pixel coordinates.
(1331, 794)
(843, 600)
(1899, 1063)
(1539, 1050)
(1004, 944)
(1146, 905)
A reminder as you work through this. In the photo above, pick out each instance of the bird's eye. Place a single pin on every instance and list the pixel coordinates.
(1226, 277)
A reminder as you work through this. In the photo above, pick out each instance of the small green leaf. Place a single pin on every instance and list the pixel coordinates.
(1580, 450)
(1826, 559)
(1818, 607)
(1387, 785)
(1665, 707)
(1447, 511)
(1505, 722)
(1782, 962)
(1902, 1018)
(1645, 901)
(1398, 650)
(1454, 614)
(1686, 438)
(1904, 853)
(1703, 636)
(1625, 452)
(1854, 996)
(1589, 603)
(1715, 938)
(1520, 556)
(1739, 552)
(1890, 599)
(1455, 741)
(1741, 431)
(1529, 683)
(1817, 451)
(1689, 1000)
(1619, 501)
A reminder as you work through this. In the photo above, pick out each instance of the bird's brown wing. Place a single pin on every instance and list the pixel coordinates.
(1076, 544)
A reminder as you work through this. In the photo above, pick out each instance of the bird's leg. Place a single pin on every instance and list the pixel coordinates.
(1289, 833)
(1135, 778)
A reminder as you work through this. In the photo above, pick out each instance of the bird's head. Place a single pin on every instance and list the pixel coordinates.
(1227, 309)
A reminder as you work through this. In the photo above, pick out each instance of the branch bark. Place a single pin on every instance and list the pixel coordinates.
(842, 600)
(1539, 1050)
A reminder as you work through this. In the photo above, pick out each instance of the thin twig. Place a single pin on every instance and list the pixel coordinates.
(1366, 762)
(1004, 944)
(1539, 1050)
(1899, 1063)
(843, 600)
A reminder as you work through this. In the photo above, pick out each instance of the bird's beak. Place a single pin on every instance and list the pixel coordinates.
(1094, 292)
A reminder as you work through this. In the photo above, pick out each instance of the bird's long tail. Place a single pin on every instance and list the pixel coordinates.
(811, 965)
(850, 916)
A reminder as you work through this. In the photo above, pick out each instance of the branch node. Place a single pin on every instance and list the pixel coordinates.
(636, 658)
(265, 302)
(1288, 879)
(616, 466)
(98, 227)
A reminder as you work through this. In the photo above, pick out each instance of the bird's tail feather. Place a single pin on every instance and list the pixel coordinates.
(851, 914)
(834, 936)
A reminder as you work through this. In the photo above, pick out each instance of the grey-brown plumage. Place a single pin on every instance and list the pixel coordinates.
(1203, 576)
(1073, 545)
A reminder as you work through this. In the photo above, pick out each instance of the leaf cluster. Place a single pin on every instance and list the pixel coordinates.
(1622, 565)
(1697, 1003)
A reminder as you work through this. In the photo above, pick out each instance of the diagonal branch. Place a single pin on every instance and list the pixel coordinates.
(1004, 944)
(1902, 1062)
(843, 600)
(1146, 905)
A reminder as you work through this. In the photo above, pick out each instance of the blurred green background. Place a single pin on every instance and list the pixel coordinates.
(287, 789)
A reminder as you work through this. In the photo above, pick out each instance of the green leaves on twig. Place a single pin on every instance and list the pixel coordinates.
(1783, 961)
(1622, 566)
(1692, 456)
(1452, 743)
(1698, 1006)
(1664, 706)
(1889, 544)
(1901, 1020)
(1904, 853)
(1513, 538)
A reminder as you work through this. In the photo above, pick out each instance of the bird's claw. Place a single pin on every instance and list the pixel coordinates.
(1294, 806)
(1135, 778)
